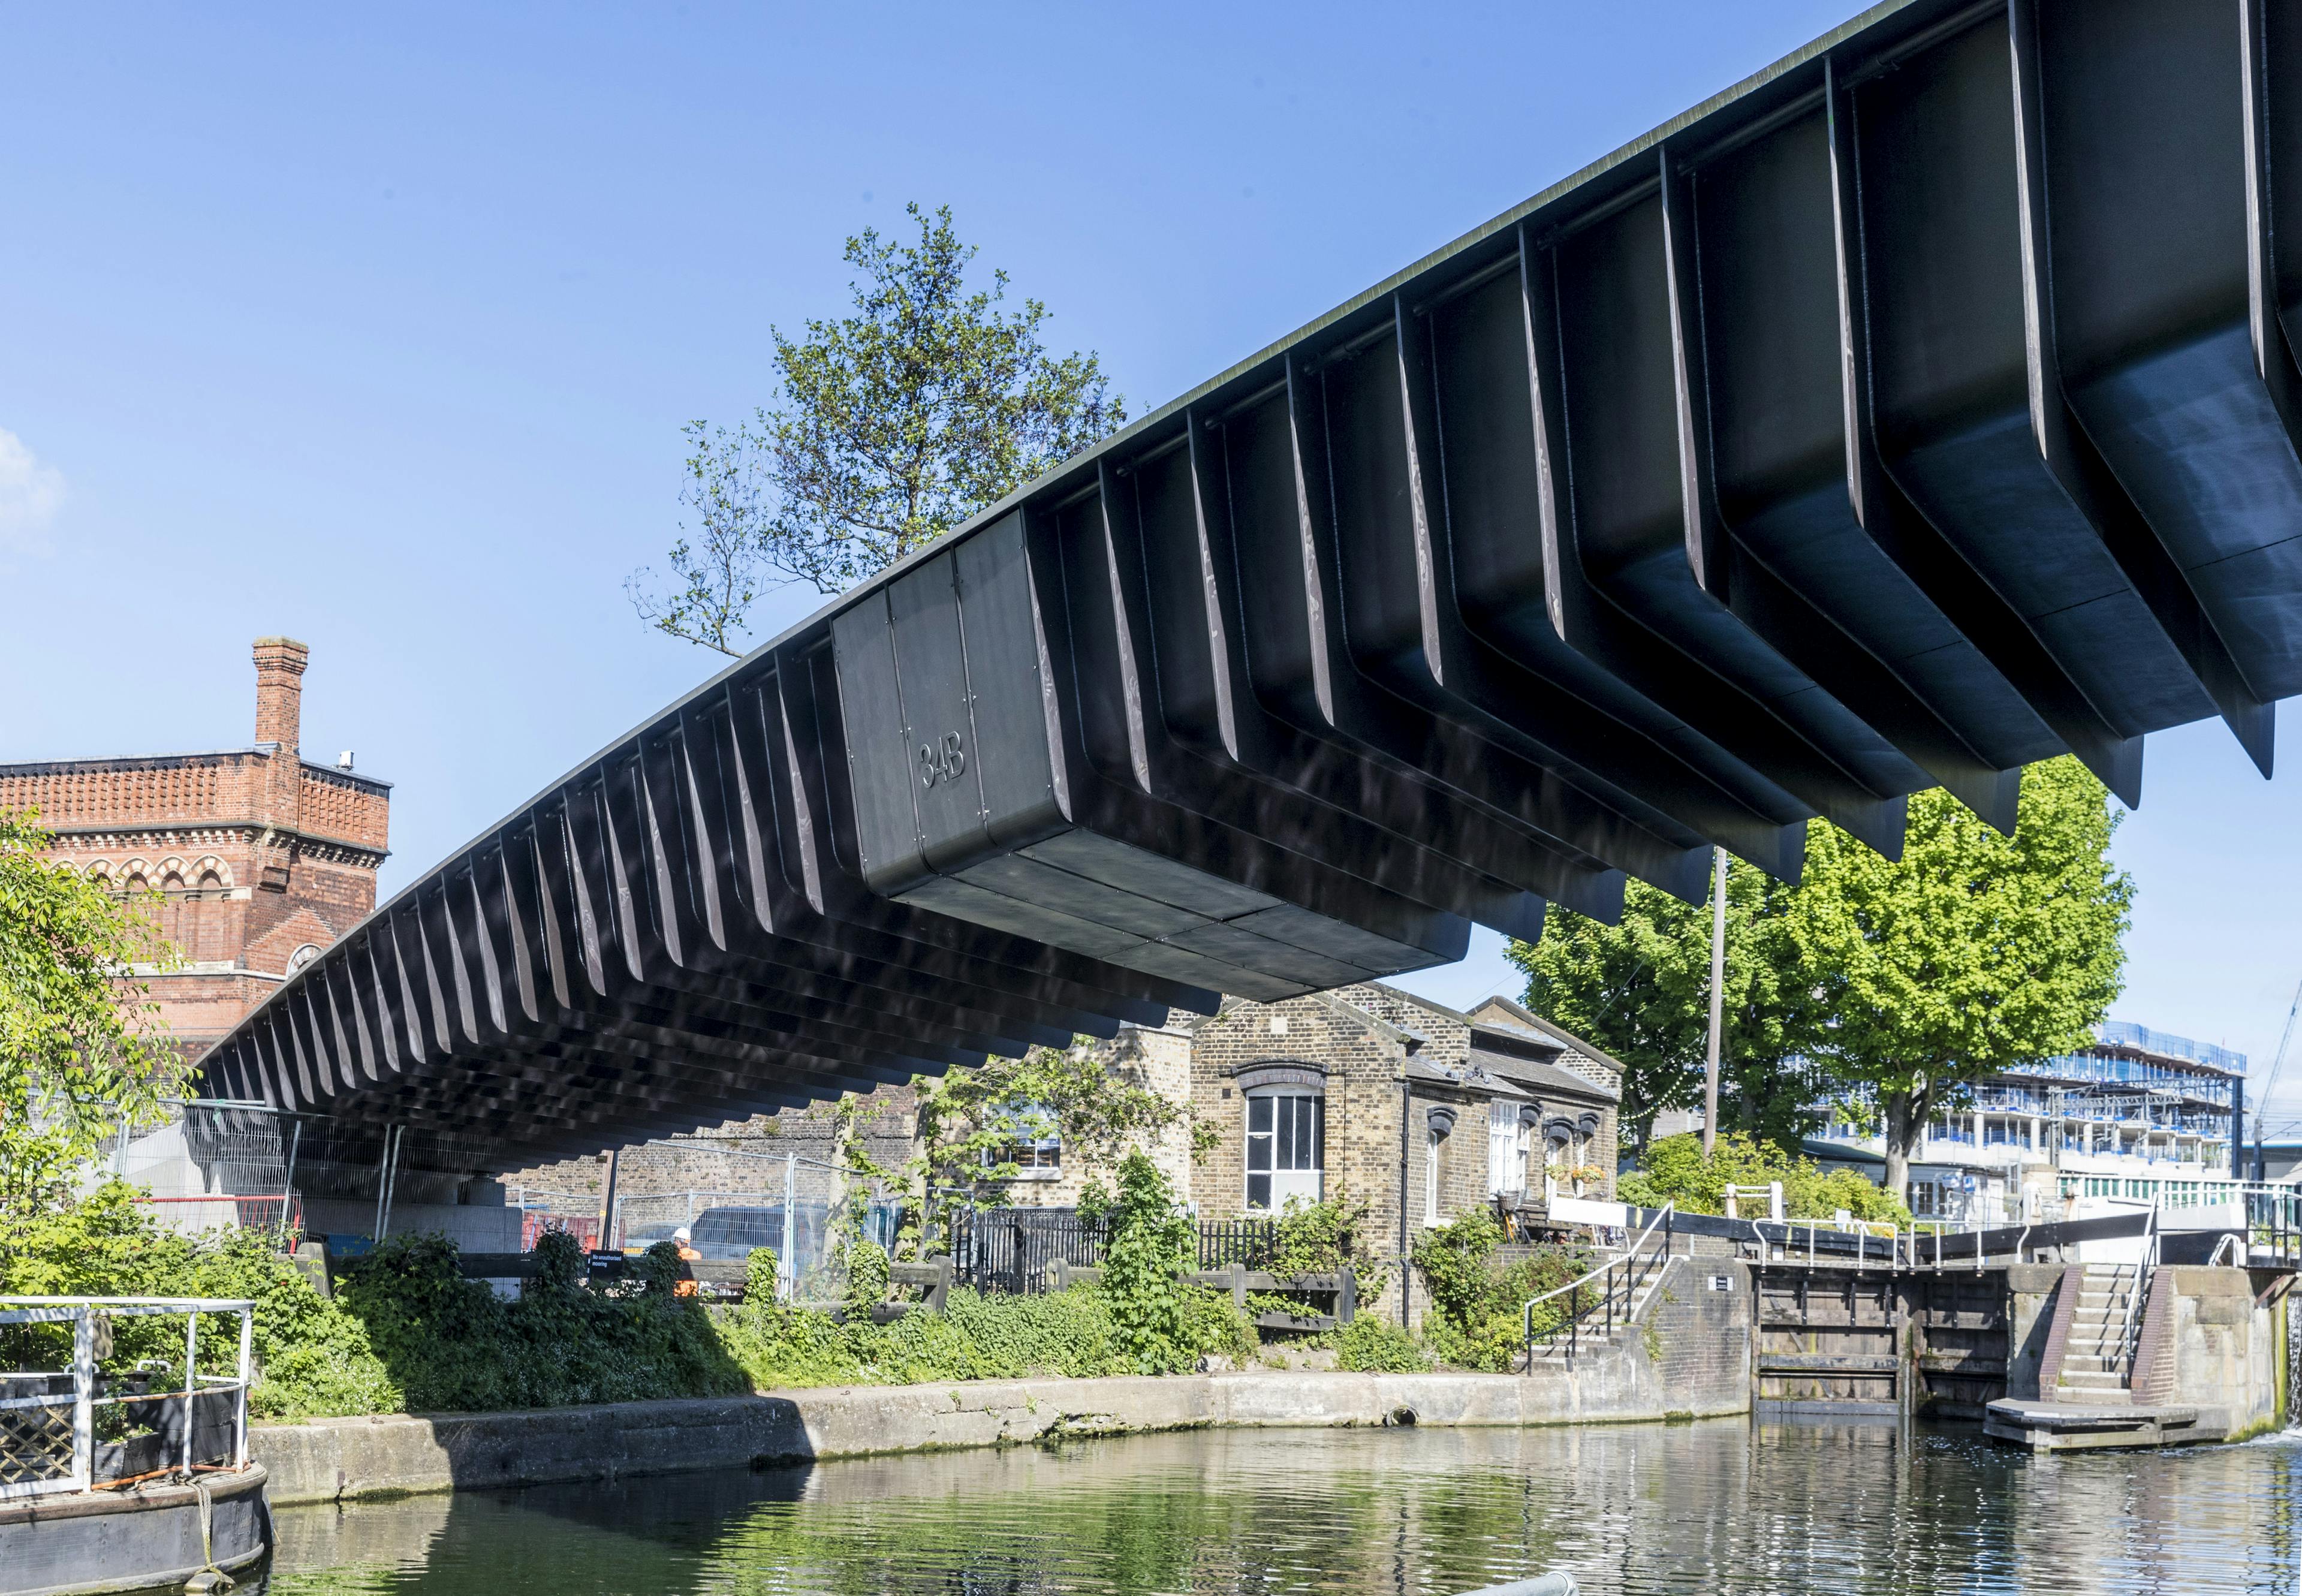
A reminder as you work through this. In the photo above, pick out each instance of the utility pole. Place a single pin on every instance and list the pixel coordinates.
(1717, 999)
(608, 1199)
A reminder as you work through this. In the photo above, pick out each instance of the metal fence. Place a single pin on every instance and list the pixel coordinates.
(732, 1202)
(1254, 1242)
(1015, 1249)
(279, 1214)
(47, 1435)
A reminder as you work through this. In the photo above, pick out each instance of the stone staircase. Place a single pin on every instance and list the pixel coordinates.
(1593, 1332)
(2095, 1361)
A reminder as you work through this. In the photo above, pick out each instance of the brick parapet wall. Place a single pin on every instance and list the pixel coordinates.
(218, 852)
(342, 806)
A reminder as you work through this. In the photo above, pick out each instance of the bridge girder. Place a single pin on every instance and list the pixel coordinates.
(1924, 406)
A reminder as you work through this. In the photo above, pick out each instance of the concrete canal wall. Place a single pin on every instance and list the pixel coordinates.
(1690, 1358)
(2216, 1340)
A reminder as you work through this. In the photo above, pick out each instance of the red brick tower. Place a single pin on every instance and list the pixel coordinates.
(256, 854)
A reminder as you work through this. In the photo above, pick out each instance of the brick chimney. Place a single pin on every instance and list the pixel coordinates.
(280, 792)
(279, 690)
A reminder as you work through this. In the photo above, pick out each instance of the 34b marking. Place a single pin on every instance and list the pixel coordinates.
(943, 760)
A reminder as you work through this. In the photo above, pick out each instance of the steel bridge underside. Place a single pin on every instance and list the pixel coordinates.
(1922, 408)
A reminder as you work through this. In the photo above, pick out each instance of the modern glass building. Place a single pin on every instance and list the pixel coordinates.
(2138, 1115)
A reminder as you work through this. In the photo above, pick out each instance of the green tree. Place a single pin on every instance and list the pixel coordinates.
(970, 1118)
(1892, 985)
(81, 1047)
(1971, 954)
(1640, 989)
(896, 423)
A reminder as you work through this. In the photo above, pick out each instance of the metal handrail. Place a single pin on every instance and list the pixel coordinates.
(82, 1314)
(1859, 1229)
(1628, 1254)
(2142, 1268)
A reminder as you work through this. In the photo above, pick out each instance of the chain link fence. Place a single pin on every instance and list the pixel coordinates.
(732, 1202)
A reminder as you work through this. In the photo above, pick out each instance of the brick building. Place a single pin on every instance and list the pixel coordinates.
(1416, 1110)
(251, 859)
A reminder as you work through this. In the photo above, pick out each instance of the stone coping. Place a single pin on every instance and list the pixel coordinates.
(335, 1459)
(2092, 1415)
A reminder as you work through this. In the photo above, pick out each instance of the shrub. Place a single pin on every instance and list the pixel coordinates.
(1477, 1318)
(777, 1346)
(1675, 1170)
(1060, 1333)
(454, 1345)
(1319, 1239)
(1152, 1244)
(762, 1272)
(404, 1330)
(869, 1272)
(1372, 1346)
(313, 1358)
(1213, 1327)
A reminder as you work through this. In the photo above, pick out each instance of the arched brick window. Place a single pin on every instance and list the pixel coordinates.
(1286, 1133)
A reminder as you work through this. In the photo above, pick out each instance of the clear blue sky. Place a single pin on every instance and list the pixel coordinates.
(376, 326)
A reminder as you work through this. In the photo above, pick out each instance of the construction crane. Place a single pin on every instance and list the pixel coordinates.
(2277, 1062)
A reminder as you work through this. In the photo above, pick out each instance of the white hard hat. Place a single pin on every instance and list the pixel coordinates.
(681, 1234)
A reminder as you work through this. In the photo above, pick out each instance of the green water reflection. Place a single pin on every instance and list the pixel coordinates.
(1713, 1506)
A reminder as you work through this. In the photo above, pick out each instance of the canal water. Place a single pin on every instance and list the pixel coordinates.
(1724, 1506)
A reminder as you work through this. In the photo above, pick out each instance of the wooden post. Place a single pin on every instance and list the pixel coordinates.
(1239, 1285)
(1347, 1300)
(1063, 1274)
(939, 1295)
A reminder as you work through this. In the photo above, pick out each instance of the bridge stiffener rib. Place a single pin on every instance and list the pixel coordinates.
(1925, 405)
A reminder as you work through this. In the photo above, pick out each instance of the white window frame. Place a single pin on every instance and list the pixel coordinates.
(1510, 1149)
(1034, 1157)
(1298, 1178)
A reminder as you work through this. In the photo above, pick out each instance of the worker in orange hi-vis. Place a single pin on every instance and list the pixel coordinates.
(685, 1242)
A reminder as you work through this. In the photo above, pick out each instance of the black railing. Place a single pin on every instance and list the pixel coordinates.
(1016, 1249)
(1596, 1306)
(1254, 1242)
(2271, 1225)
(1592, 1299)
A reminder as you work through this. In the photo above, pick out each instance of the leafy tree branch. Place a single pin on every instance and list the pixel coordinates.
(931, 401)
(82, 1051)
(1889, 986)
